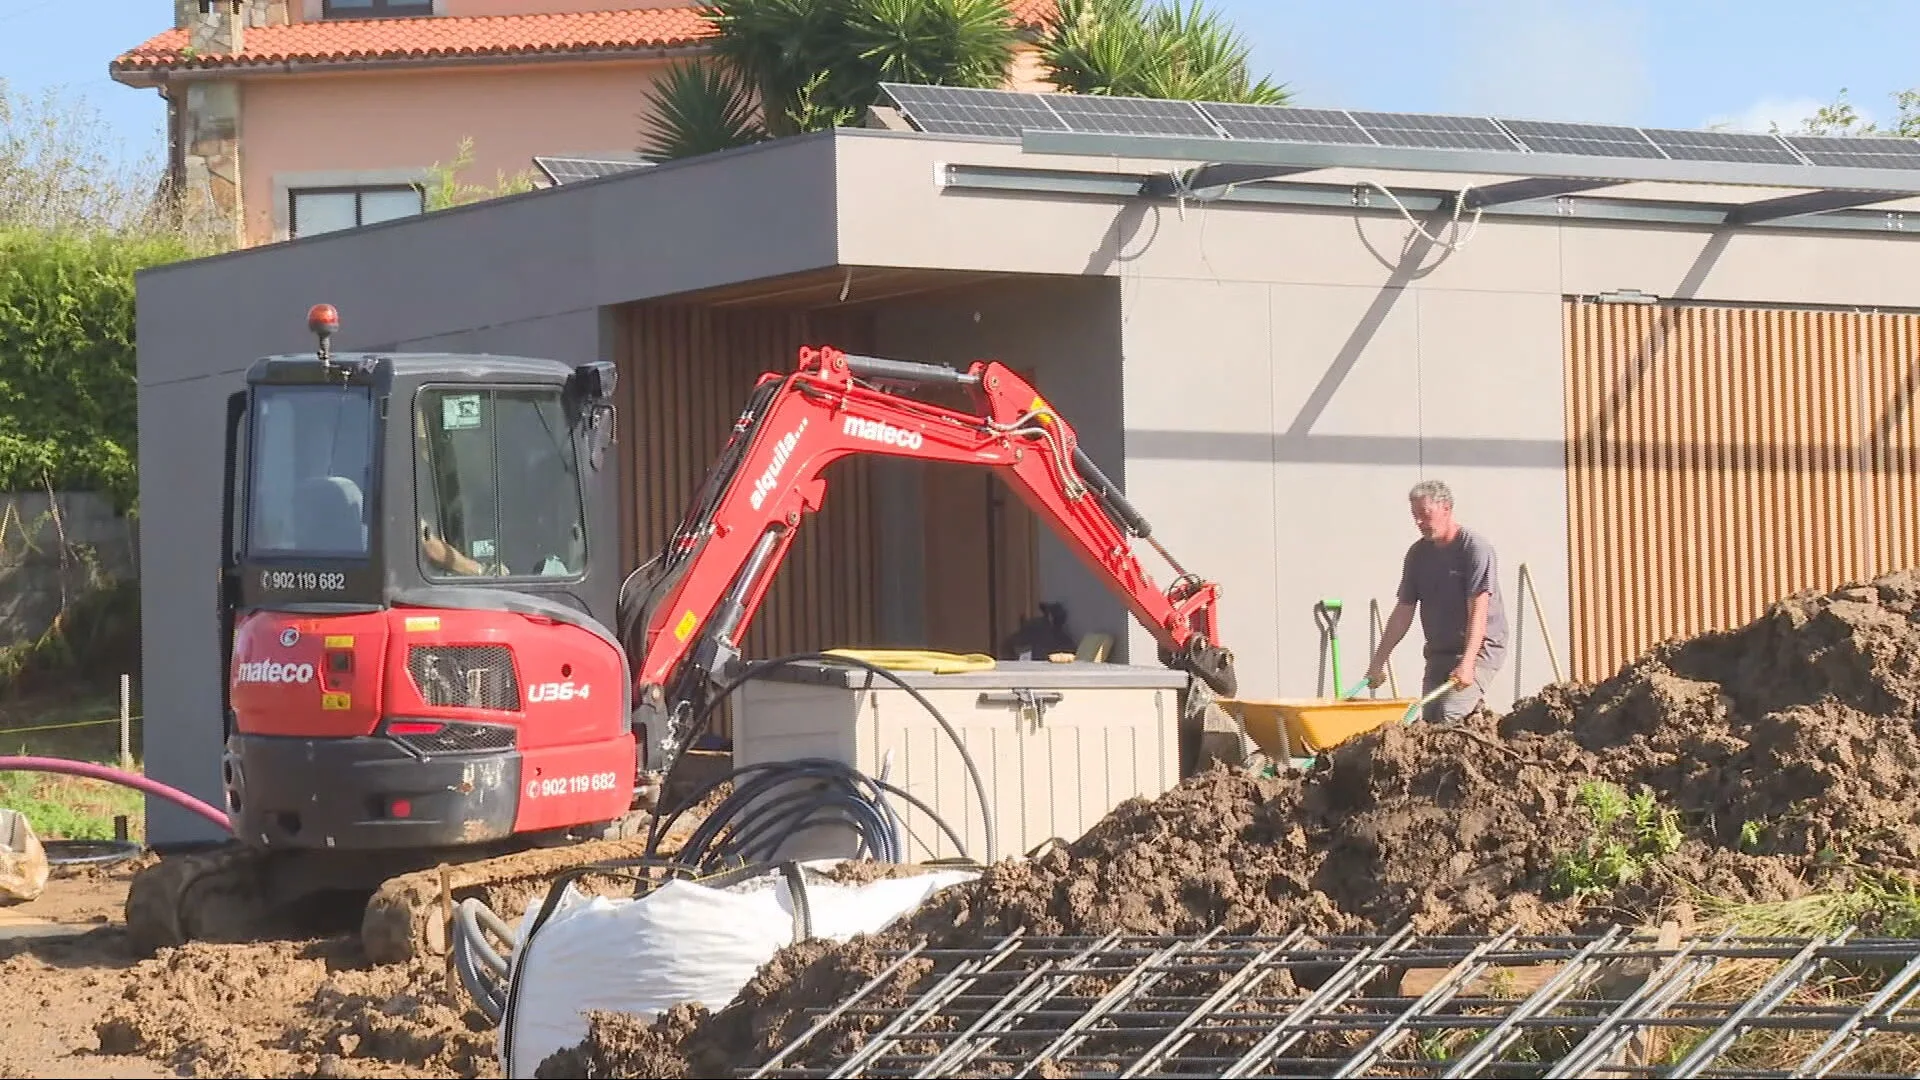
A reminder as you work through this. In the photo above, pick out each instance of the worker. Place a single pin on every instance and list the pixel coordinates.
(1451, 576)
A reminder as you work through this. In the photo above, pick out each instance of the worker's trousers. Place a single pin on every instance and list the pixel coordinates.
(1456, 704)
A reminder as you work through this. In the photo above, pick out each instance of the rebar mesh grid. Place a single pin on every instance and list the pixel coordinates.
(1614, 1004)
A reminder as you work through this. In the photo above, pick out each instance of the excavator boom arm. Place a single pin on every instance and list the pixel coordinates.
(718, 565)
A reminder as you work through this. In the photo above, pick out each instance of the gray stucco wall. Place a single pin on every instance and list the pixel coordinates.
(1067, 331)
(1278, 454)
(1290, 373)
(529, 274)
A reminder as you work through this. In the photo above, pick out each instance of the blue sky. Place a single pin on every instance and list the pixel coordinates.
(1683, 63)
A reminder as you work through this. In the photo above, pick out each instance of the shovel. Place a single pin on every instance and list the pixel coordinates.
(1326, 614)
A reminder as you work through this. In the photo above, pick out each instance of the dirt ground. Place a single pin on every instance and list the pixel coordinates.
(82, 1006)
(1772, 761)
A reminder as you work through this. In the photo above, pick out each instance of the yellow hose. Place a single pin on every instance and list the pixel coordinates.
(940, 663)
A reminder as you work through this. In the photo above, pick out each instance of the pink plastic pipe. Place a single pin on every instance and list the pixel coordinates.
(117, 776)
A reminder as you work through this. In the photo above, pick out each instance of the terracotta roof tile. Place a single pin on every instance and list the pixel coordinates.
(442, 37)
(1033, 12)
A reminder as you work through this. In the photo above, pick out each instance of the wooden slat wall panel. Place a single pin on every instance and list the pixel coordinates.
(686, 374)
(1720, 458)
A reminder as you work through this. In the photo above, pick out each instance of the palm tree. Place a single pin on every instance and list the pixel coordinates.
(806, 65)
(779, 67)
(1179, 50)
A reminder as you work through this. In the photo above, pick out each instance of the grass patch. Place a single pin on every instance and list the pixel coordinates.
(60, 725)
(1881, 904)
(72, 807)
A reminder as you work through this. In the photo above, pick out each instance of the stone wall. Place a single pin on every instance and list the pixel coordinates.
(55, 551)
(209, 148)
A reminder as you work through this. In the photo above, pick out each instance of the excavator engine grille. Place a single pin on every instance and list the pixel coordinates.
(462, 739)
(465, 676)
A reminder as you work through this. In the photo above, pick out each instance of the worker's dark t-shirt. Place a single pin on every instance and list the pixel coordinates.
(1440, 579)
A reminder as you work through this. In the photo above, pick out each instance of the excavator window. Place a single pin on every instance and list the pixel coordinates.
(497, 484)
(312, 467)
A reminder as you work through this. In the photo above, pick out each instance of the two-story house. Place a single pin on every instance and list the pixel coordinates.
(292, 117)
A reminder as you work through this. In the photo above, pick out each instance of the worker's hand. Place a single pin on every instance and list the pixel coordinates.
(1462, 676)
(1377, 675)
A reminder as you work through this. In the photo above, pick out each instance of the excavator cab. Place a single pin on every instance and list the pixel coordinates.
(421, 567)
(364, 481)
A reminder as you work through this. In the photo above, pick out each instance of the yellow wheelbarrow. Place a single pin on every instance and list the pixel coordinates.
(1297, 730)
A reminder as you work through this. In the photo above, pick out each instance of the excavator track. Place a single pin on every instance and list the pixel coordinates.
(407, 915)
(236, 893)
(215, 895)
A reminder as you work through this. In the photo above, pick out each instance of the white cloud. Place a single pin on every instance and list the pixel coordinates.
(1762, 114)
(1548, 60)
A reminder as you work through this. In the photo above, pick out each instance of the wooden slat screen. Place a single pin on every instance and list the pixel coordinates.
(1720, 458)
(685, 376)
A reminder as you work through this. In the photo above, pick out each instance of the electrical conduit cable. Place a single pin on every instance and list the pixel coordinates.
(860, 796)
(117, 776)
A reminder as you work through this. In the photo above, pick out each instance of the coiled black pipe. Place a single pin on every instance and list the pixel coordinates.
(704, 714)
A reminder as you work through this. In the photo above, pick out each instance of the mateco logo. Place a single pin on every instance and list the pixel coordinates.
(273, 671)
(882, 432)
(782, 450)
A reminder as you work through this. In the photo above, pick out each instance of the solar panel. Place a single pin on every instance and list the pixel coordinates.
(1860, 152)
(1284, 123)
(1007, 114)
(1435, 132)
(1721, 146)
(1587, 140)
(569, 170)
(1131, 116)
(953, 110)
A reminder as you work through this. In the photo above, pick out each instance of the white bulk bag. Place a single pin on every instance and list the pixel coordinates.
(682, 942)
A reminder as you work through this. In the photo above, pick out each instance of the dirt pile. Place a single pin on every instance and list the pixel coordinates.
(1752, 765)
(295, 1009)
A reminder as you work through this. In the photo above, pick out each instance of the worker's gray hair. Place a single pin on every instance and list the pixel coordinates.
(1433, 491)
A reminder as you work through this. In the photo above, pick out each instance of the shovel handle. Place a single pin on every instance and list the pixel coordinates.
(1420, 706)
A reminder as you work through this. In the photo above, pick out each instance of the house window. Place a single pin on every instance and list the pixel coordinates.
(367, 9)
(312, 211)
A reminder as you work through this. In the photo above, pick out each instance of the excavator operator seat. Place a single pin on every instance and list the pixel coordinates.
(329, 514)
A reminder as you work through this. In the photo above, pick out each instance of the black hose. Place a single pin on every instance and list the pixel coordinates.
(755, 819)
(705, 712)
(703, 853)
(88, 852)
(471, 953)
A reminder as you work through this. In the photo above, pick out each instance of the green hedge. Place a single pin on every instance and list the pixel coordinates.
(67, 382)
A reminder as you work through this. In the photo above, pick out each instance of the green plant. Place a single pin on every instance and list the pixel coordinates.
(698, 108)
(1626, 836)
(781, 67)
(1172, 49)
(444, 189)
(67, 374)
(1841, 118)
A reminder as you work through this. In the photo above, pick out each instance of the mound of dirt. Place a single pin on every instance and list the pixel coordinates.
(296, 1009)
(1765, 761)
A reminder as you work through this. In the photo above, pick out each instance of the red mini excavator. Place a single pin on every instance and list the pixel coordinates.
(433, 658)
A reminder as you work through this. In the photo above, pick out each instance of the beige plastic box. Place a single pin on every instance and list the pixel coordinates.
(1057, 746)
